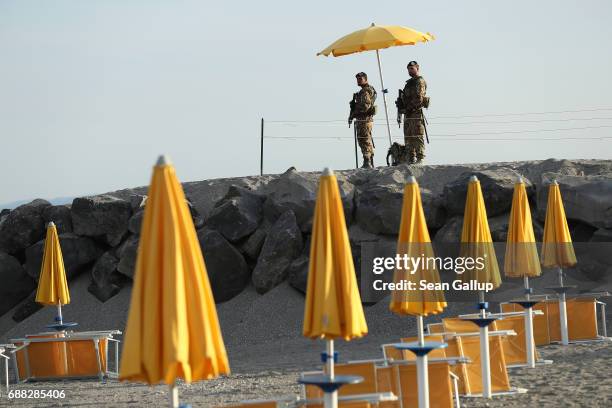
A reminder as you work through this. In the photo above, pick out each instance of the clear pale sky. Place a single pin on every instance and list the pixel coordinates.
(91, 92)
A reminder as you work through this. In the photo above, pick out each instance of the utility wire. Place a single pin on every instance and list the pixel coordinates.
(460, 116)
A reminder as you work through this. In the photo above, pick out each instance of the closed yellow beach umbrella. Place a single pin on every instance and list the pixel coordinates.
(52, 284)
(557, 249)
(521, 258)
(333, 306)
(477, 246)
(172, 330)
(414, 242)
(476, 242)
(375, 38)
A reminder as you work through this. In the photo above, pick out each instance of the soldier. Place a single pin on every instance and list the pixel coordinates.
(414, 100)
(363, 111)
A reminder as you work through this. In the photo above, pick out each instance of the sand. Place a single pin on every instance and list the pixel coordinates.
(267, 353)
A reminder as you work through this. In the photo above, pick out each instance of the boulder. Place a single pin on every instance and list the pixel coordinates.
(585, 199)
(282, 245)
(297, 192)
(60, 216)
(77, 252)
(104, 277)
(497, 189)
(602, 235)
(238, 214)
(298, 273)
(16, 284)
(198, 220)
(23, 226)
(27, 308)
(450, 233)
(379, 208)
(252, 246)
(102, 217)
(135, 222)
(227, 270)
(127, 254)
(137, 202)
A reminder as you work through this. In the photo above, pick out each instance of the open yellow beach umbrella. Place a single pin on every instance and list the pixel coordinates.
(375, 38)
(333, 305)
(52, 284)
(414, 242)
(557, 248)
(521, 258)
(476, 242)
(172, 330)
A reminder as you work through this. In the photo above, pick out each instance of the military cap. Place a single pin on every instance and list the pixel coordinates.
(412, 63)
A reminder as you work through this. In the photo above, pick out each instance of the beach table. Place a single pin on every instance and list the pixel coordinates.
(65, 355)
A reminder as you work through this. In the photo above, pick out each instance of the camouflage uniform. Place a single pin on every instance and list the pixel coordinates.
(414, 129)
(364, 102)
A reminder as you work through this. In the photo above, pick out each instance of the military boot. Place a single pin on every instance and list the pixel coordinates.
(366, 163)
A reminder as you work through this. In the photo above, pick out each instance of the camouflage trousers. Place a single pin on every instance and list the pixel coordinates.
(414, 131)
(363, 128)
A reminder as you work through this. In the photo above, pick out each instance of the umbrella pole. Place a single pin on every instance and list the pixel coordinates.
(330, 399)
(484, 352)
(422, 374)
(563, 312)
(384, 92)
(529, 328)
(59, 313)
(174, 396)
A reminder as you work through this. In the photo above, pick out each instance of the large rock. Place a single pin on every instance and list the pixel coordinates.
(23, 226)
(586, 199)
(379, 208)
(497, 190)
(102, 283)
(77, 252)
(298, 273)
(252, 246)
(60, 216)
(16, 284)
(297, 192)
(450, 233)
(127, 254)
(27, 308)
(103, 217)
(238, 214)
(227, 270)
(282, 245)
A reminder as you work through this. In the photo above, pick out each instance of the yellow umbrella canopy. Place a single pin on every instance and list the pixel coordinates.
(52, 284)
(557, 248)
(375, 38)
(333, 305)
(476, 242)
(414, 242)
(521, 252)
(172, 330)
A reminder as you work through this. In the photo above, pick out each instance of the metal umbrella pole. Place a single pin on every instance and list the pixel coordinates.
(484, 351)
(384, 92)
(529, 326)
(422, 371)
(330, 399)
(563, 311)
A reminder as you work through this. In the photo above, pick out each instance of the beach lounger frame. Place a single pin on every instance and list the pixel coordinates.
(6, 358)
(599, 320)
(434, 328)
(95, 336)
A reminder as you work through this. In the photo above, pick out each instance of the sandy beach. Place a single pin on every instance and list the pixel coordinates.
(267, 354)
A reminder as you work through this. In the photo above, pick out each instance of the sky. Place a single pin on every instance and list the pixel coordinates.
(91, 92)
